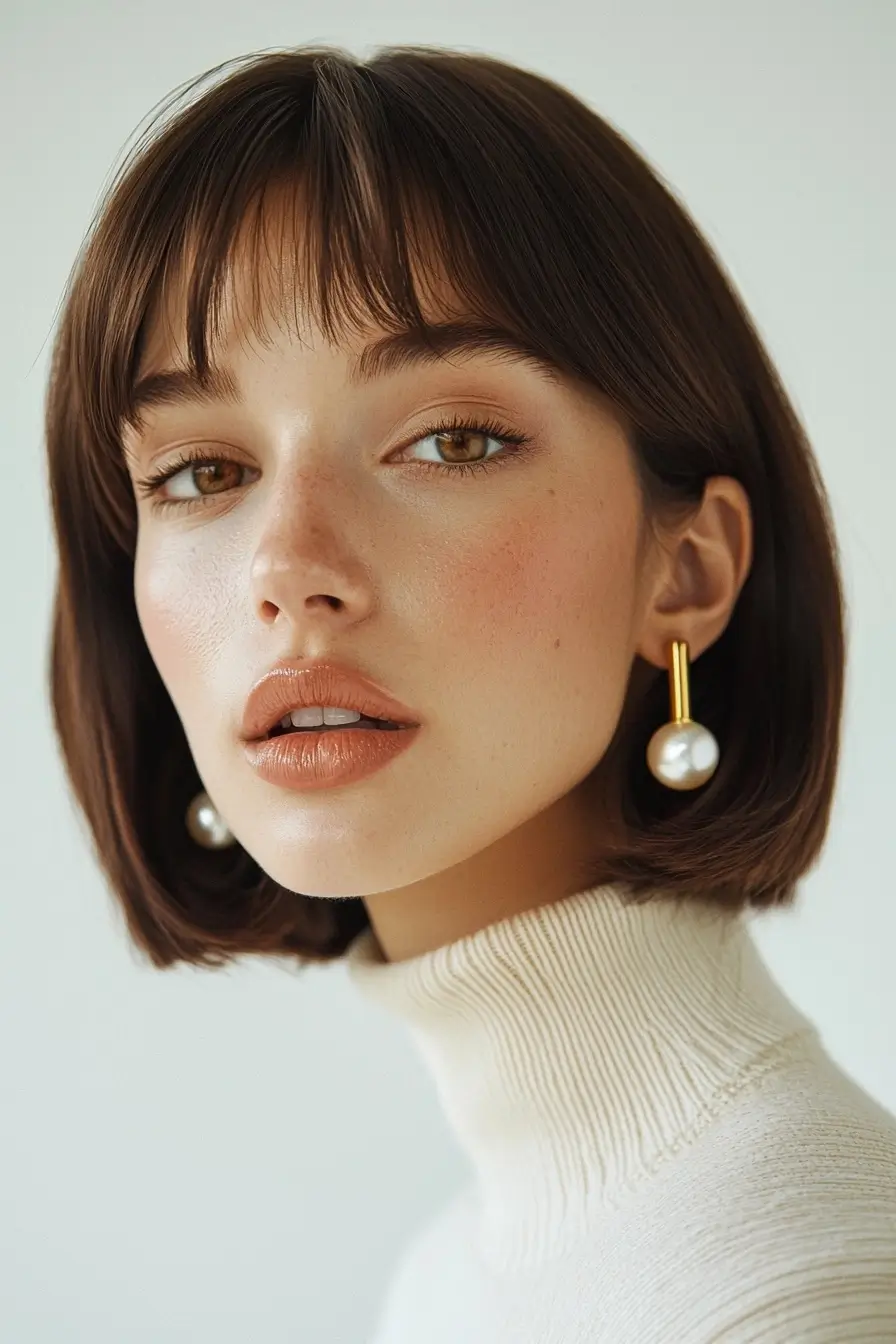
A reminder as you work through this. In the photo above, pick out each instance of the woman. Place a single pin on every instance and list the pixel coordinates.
(405, 389)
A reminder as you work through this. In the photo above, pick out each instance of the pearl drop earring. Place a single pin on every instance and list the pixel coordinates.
(681, 754)
(206, 825)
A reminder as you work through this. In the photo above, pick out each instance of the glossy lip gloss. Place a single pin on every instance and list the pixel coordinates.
(325, 759)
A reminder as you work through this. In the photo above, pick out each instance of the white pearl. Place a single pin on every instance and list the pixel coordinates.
(206, 825)
(682, 755)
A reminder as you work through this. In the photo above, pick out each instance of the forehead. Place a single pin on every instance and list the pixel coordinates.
(249, 312)
(257, 307)
(372, 350)
(268, 286)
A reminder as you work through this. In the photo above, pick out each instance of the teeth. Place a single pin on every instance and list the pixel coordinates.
(313, 717)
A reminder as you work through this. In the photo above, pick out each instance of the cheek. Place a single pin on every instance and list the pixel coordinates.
(549, 594)
(182, 608)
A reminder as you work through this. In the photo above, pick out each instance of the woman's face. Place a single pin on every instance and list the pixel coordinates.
(503, 605)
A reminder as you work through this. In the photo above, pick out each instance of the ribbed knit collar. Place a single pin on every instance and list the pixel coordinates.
(576, 1046)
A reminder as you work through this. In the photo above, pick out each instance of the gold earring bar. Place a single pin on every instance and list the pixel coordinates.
(680, 698)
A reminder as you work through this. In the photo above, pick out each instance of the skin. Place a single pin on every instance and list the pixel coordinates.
(508, 608)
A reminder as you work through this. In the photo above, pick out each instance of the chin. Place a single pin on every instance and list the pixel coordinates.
(328, 870)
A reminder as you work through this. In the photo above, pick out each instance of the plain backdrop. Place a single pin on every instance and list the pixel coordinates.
(237, 1157)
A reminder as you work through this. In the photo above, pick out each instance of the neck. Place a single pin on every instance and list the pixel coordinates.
(576, 1045)
(532, 866)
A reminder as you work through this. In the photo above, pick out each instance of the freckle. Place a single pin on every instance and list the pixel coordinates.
(556, 643)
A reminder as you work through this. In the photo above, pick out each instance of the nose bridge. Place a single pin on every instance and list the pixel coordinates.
(303, 540)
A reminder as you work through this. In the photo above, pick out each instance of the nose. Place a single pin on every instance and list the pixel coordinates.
(303, 562)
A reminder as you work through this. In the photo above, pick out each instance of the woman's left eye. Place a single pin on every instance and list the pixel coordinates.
(449, 439)
(453, 443)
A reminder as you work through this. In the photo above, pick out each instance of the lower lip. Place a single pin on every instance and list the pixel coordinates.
(326, 759)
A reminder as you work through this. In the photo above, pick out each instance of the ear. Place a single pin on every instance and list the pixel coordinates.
(702, 568)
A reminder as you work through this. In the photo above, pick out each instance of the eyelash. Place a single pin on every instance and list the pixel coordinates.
(152, 484)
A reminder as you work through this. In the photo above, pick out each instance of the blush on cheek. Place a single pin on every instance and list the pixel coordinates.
(522, 580)
(542, 607)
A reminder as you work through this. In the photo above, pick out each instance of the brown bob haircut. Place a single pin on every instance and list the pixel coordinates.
(547, 221)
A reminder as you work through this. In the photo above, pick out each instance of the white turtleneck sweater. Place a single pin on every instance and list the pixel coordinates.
(662, 1151)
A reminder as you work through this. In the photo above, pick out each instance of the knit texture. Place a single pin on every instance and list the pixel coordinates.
(661, 1150)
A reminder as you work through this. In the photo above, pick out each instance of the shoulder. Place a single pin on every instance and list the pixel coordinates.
(819, 1282)
(805, 1137)
(797, 1187)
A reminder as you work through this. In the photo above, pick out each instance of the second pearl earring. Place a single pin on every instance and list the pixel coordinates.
(681, 754)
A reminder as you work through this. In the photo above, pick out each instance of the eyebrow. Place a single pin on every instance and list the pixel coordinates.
(431, 345)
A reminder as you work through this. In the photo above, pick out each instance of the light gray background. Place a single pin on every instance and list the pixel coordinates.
(237, 1157)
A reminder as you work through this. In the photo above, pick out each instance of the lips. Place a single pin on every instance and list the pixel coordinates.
(307, 762)
(379, 725)
(290, 685)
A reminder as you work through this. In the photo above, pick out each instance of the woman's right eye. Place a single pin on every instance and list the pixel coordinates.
(218, 474)
(193, 470)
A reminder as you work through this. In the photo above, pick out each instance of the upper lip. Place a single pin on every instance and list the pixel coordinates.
(288, 686)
